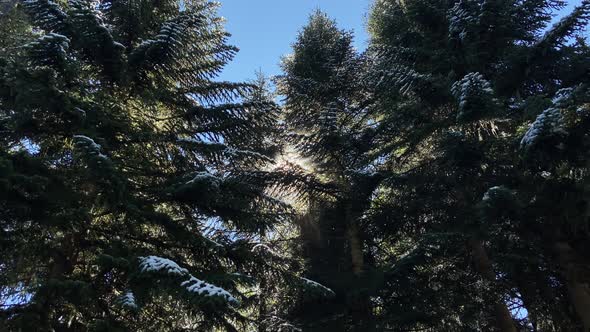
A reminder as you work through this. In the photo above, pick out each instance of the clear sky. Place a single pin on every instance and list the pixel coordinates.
(265, 29)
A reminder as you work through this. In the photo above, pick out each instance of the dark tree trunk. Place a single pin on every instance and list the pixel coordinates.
(483, 265)
(578, 290)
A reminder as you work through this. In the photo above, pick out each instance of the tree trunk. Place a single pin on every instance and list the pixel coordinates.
(356, 248)
(483, 266)
(361, 308)
(578, 291)
(262, 306)
(527, 289)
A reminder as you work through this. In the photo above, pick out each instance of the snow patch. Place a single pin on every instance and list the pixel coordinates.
(547, 123)
(408, 253)
(127, 300)
(205, 176)
(473, 92)
(159, 264)
(562, 96)
(263, 248)
(196, 141)
(200, 287)
(89, 145)
(460, 19)
(51, 44)
(80, 111)
(317, 285)
(491, 192)
(192, 284)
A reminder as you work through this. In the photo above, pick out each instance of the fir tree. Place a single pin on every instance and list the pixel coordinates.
(329, 125)
(120, 152)
(456, 83)
(438, 181)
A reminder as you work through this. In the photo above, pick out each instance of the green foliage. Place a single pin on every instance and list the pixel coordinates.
(437, 181)
(109, 119)
(467, 112)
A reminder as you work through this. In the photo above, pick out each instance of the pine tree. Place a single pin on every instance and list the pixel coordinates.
(457, 84)
(438, 181)
(330, 126)
(130, 179)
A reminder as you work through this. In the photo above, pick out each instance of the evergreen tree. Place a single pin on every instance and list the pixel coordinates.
(438, 181)
(456, 83)
(329, 125)
(130, 179)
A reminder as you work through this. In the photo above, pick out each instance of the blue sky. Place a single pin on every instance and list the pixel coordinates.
(265, 29)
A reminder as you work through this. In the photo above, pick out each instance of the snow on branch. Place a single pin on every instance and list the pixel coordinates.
(89, 146)
(548, 123)
(264, 249)
(160, 265)
(562, 96)
(493, 191)
(461, 19)
(474, 95)
(163, 265)
(205, 176)
(49, 48)
(200, 287)
(127, 300)
(316, 285)
(46, 14)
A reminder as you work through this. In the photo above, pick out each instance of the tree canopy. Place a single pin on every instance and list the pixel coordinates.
(437, 181)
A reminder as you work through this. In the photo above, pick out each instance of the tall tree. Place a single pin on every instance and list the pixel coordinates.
(119, 154)
(458, 81)
(326, 114)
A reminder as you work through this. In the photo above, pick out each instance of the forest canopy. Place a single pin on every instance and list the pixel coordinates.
(438, 180)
